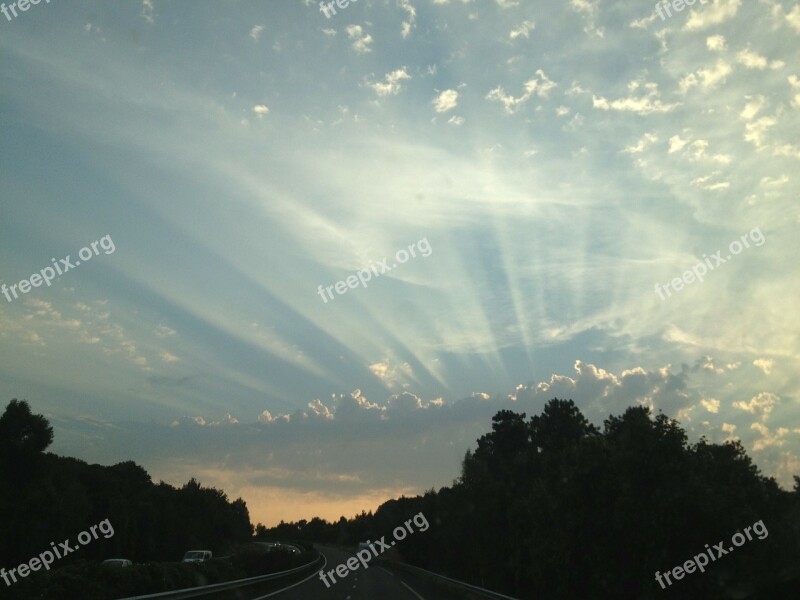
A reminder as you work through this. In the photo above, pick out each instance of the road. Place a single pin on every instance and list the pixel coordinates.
(362, 584)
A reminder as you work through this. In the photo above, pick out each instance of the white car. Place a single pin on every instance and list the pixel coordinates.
(117, 562)
(197, 556)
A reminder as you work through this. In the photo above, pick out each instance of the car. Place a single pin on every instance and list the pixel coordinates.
(117, 562)
(270, 546)
(364, 545)
(197, 556)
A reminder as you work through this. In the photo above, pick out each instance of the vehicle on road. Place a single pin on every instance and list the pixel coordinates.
(197, 556)
(269, 546)
(117, 562)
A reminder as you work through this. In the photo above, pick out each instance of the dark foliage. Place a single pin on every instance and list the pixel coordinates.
(553, 507)
(46, 498)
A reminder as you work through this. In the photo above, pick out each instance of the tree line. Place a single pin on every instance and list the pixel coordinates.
(555, 507)
(47, 498)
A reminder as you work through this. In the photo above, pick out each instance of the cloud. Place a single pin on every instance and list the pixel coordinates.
(753, 107)
(768, 438)
(445, 101)
(522, 30)
(716, 43)
(644, 105)
(713, 14)
(393, 376)
(707, 78)
(162, 331)
(148, 11)
(644, 142)
(541, 86)
(589, 9)
(761, 404)
(255, 32)
(751, 60)
(410, 23)
(793, 18)
(765, 364)
(676, 144)
(391, 85)
(168, 357)
(405, 442)
(756, 131)
(362, 41)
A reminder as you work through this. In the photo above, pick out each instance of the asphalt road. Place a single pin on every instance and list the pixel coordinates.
(362, 584)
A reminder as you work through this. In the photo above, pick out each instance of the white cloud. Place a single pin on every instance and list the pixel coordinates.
(793, 18)
(708, 78)
(713, 14)
(761, 404)
(676, 144)
(148, 11)
(445, 101)
(523, 30)
(756, 131)
(409, 24)
(753, 107)
(751, 60)
(589, 9)
(716, 43)
(168, 357)
(391, 85)
(361, 40)
(765, 364)
(540, 86)
(794, 81)
(255, 32)
(644, 142)
(644, 105)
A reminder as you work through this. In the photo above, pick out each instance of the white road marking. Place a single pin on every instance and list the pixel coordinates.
(408, 587)
(314, 574)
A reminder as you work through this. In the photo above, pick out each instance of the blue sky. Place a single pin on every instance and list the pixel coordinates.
(559, 158)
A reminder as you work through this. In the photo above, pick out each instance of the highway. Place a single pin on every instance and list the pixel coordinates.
(362, 584)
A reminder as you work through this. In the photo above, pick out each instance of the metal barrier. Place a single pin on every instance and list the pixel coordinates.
(204, 590)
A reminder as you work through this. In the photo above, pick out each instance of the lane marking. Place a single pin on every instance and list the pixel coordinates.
(408, 587)
(314, 574)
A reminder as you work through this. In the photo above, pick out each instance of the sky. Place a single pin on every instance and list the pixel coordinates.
(575, 199)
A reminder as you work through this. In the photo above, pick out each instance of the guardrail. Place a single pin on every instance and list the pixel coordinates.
(453, 584)
(204, 590)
